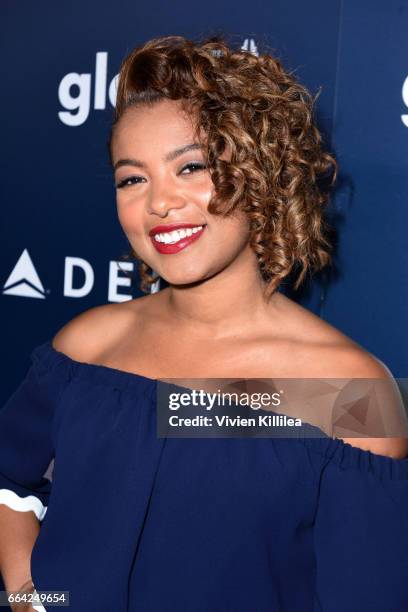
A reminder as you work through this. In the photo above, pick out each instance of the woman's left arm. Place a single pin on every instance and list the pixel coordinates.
(361, 531)
(361, 520)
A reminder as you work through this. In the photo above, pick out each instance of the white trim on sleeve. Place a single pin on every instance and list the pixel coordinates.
(39, 607)
(23, 504)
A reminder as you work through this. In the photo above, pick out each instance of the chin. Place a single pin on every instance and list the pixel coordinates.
(183, 277)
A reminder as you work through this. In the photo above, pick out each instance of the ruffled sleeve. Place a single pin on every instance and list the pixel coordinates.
(26, 441)
(360, 529)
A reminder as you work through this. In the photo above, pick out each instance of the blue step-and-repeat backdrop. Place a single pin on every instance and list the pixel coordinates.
(61, 239)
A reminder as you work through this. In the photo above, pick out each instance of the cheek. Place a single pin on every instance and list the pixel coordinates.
(130, 216)
(234, 233)
(200, 191)
(233, 244)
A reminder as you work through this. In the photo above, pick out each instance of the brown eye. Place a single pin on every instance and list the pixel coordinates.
(193, 167)
(131, 180)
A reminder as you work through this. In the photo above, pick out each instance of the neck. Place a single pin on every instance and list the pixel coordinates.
(228, 303)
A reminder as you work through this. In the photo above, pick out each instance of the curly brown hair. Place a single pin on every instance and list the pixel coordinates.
(278, 169)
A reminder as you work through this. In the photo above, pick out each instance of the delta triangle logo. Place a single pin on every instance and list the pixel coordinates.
(24, 280)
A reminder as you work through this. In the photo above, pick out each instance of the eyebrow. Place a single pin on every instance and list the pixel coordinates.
(167, 158)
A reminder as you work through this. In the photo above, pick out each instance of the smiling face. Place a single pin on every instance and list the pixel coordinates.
(163, 186)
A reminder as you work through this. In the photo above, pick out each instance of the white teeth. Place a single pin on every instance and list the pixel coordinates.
(177, 235)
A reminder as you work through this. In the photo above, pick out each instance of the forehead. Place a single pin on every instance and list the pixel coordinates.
(160, 124)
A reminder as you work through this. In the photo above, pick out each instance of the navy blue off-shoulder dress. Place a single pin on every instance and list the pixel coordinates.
(136, 523)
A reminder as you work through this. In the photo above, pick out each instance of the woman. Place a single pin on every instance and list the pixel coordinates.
(219, 171)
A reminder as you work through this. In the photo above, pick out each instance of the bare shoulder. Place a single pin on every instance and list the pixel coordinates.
(92, 332)
(325, 350)
(380, 392)
(344, 358)
(329, 353)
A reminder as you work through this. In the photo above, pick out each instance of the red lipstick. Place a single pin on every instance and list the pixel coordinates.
(176, 247)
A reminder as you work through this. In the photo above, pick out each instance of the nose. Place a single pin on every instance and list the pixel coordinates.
(162, 198)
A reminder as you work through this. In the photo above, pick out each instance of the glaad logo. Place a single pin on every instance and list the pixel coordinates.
(249, 44)
(404, 118)
(25, 282)
(78, 106)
